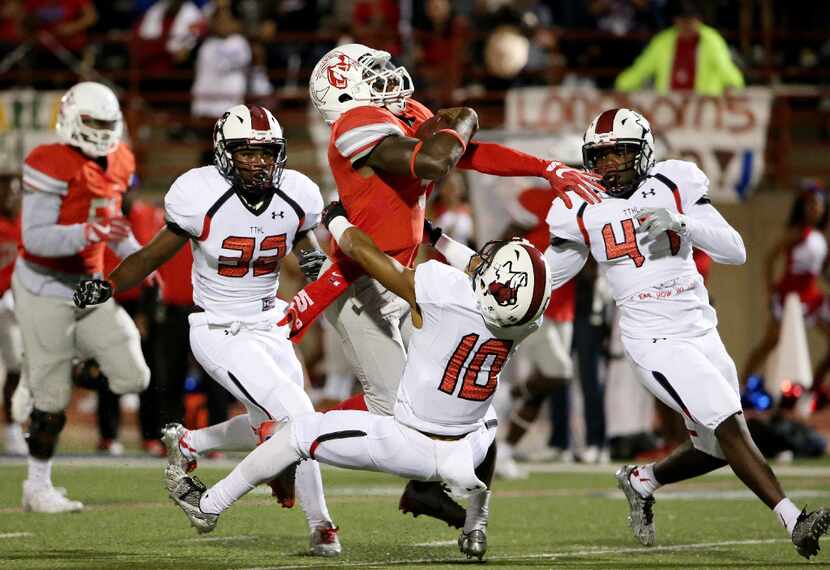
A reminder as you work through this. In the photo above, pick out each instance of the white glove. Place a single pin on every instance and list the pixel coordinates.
(656, 221)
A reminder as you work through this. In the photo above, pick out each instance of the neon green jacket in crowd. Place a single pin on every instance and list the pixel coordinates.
(714, 73)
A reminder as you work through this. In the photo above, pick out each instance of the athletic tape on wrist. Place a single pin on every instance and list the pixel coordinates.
(339, 225)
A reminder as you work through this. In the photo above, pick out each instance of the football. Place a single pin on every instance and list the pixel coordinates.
(432, 126)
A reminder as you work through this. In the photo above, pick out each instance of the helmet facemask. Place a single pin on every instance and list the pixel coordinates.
(249, 177)
(619, 182)
(388, 86)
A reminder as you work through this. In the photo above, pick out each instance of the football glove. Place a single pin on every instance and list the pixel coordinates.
(333, 210)
(92, 292)
(311, 261)
(562, 178)
(95, 232)
(655, 221)
(431, 232)
(120, 228)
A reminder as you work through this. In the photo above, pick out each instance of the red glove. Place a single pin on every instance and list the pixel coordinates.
(96, 232)
(562, 178)
(120, 228)
(315, 297)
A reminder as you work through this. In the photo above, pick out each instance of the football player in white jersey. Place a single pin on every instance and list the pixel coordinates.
(241, 215)
(467, 324)
(642, 236)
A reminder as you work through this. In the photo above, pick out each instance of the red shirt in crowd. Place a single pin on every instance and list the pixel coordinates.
(684, 68)
(49, 15)
(9, 242)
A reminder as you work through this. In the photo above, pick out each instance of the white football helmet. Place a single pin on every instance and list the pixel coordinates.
(90, 119)
(353, 75)
(622, 130)
(512, 284)
(248, 126)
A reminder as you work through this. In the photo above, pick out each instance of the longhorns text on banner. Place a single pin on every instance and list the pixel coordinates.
(726, 135)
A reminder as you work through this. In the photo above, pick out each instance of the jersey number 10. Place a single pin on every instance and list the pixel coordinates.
(263, 265)
(496, 348)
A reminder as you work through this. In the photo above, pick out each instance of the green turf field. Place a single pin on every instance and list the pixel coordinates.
(574, 518)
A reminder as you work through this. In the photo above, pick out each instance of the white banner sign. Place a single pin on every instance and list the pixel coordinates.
(726, 136)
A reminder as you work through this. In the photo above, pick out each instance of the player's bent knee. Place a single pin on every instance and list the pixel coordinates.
(44, 429)
(134, 382)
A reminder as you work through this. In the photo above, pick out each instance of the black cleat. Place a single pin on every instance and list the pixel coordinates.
(808, 529)
(428, 498)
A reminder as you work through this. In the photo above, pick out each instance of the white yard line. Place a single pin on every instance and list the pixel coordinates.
(16, 535)
(535, 556)
(438, 543)
(240, 538)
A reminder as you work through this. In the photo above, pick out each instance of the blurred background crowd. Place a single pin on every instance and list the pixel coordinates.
(177, 65)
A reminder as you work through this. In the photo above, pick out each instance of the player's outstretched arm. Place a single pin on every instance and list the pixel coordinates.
(360, 247)
(456, 253)
(431, 158)
(140, 264)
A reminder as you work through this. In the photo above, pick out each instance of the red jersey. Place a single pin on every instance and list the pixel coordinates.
(145, 220)
(537, 201)
(9, 242)
(87, 191)
(387, 207)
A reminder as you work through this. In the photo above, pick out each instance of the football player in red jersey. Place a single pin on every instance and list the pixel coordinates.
(385, 166)
(71, 212)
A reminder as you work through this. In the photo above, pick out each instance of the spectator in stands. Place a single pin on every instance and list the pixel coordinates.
(166, 34)
(65, 20)
(440, 47)
(688, 56)
(375, 23)
(12, 30)
(221, 67)
(451, 210)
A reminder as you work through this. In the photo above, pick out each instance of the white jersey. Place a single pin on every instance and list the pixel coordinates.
(654, 282)
(237, 252)
(454, 359)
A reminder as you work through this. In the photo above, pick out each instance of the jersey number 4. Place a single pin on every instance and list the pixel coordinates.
(264, 264)
(494, 348)
(628, 247)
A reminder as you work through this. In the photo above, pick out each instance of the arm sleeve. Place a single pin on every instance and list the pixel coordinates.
(42, 235)
(643, 68)
(710, 232)
(357, 132)
(125, 247)
(565, 260)
(457, 254)
(499, 160)
(563, 222)
(36, 180)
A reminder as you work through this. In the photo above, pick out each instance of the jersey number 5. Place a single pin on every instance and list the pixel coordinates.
(264, 264)
(628, 247)
(496, 348)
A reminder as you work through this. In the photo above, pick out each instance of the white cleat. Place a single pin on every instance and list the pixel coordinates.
(473, 543)
(187, 493)
(640, 509)
(40, 498)
(15, 443)
(178, 451)
(507, 468)
(324, 541)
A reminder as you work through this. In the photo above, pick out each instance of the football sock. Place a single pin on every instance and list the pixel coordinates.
(259, 466)
(309, 486)
(222, 495)
(478, 511)
(787, 514)
(40, 471)
(643, 481)
(233, 435)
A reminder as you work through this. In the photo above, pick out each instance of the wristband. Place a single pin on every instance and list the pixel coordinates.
(339, 225)
(458, 137)
(415, 152)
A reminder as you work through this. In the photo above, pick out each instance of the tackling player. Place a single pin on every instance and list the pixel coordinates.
(242, 216)
(466, 324)
(642, 238)
(385, 165)
(71, 212)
